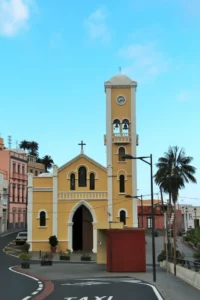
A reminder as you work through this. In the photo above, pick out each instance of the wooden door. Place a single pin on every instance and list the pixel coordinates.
(87, 230)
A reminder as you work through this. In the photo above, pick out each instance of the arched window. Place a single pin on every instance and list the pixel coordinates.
(121, 184)
(42, 218)
(72, 182)
(92, 181)
(122, 216)
(121, 153)
(125, 127)
(82, 176)
(116, 127)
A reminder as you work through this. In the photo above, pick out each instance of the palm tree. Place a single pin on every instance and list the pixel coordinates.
(48, 162)
(25, 145)
(174, 171)
(33, 148)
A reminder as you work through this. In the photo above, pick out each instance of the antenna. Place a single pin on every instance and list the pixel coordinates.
(9, 141)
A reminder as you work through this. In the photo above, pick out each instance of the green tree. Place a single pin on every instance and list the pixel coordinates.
(33, 148)
(25, 145)
(48, 162)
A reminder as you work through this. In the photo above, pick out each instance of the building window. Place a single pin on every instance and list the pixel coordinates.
(149, 222)
(72, 182)
(13, 193)
(82, 176)
(92, 181)
(121, 153)
(22, 193)
(18, 169)
(18, 193)
(31, 171)
(121, 184)
(36, 173)
(14, 167)
(42, 219)
(23, 170)
(122, 216)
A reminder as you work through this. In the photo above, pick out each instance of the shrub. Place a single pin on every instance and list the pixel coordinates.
(25, 256)
(162, 256)
(53, 241)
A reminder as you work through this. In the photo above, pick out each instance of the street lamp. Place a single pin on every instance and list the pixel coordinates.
(186, 213)
(143, 158)
(137, 197)
(195, 214)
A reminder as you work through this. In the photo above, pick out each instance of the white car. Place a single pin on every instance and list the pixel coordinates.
(21, 238)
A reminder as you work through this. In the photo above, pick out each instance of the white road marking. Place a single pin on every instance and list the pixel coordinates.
(10, 233)
(131, 281)
(158, 295)
(40, 284)
(86, 283)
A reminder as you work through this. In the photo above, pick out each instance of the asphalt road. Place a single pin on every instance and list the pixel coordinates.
(104, 289)
(12, 285)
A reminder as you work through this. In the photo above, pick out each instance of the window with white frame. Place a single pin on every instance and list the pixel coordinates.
(149, 222)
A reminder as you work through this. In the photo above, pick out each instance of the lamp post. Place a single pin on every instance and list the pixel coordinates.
(186, 214)
(143, 158)
(195, 215)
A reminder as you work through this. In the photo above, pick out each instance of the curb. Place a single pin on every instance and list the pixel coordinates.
(48, 284)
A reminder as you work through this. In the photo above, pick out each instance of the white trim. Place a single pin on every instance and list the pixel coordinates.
(95, 173)
(46, 217)
(125, 174)
(121, 210)
(109, 130)
(42, 227)
(30, 209)
(70, 224)
(55, 201)
(82, 165)
(120, 121)
(43, 189)
(134, 161)
(71, 172)
(119, 148)
(126, 119)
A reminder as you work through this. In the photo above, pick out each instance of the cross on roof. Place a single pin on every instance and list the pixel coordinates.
(81, 144)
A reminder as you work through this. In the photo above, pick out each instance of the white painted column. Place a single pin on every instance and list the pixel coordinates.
(134, 154)
(55, 201)
(30, 210)
(94, 250)
(70, 227)
(109, 151)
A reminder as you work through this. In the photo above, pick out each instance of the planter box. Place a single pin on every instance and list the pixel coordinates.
(85, 258)
(25, 265)
(46, 263)
(64, 257)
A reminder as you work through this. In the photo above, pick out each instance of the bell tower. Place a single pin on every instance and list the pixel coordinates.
(120, 139)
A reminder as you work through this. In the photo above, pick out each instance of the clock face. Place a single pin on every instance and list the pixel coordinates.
(121, 100)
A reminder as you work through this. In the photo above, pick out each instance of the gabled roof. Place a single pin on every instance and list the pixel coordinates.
(86, 158)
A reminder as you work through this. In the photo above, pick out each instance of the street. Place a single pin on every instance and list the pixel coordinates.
(13, 285)
(104, 289)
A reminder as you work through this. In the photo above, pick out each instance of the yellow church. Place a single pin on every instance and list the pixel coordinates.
(71, 201)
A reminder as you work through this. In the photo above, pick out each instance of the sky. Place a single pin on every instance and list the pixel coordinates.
(56, 56)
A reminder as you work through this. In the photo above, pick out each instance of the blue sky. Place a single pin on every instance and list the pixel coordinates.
(56, 55)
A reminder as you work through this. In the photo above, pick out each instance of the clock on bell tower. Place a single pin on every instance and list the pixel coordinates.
(120, 139)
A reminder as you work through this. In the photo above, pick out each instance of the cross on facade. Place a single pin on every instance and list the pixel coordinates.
(81, 144)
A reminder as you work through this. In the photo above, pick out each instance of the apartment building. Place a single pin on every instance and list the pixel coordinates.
(3, 200)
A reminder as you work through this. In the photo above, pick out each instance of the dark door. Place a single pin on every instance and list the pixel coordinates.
(87, 230)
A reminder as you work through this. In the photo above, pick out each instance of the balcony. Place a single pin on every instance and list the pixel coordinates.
(122, 138)
(82, 196)
(19, 176)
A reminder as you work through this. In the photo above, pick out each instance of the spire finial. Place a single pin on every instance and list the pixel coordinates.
(82, 144)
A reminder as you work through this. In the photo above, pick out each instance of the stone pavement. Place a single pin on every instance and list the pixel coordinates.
(171, 287)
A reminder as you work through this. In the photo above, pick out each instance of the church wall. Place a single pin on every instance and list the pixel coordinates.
(100, 176)
(42, 201)
(42, 182)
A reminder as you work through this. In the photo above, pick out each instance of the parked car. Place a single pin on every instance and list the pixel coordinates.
(21, 238)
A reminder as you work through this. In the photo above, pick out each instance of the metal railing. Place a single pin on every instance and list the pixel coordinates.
(189, 264)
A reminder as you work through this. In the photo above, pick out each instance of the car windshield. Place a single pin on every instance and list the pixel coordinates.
(23, 234)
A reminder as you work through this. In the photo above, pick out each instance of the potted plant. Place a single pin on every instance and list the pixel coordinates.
(53, 241)
(85, 257)
(46, 259)
(65, 255)
(25, 258)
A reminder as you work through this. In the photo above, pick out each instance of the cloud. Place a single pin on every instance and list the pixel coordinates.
(96, 25)
(184, 96)
(14, 15)
(144, 60)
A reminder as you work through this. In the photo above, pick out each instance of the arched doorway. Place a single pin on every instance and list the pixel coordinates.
(82, 230)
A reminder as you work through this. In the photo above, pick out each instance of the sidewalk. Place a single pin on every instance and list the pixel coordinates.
(171, 287)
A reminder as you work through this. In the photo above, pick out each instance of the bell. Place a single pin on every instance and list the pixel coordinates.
(125, 127)
(116, 125)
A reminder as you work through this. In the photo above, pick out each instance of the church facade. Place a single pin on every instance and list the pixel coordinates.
(74, 198)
